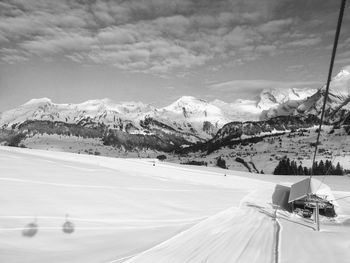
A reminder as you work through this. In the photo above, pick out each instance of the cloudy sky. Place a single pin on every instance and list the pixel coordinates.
(157, 50)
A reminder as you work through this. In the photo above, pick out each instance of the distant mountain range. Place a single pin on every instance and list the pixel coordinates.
(186, 121)
(337, 107)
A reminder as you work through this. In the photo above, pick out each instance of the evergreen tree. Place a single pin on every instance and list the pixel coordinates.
(314, 170)
(294, 168)
(306, 171)
(300, 170)
(221, 163)
(328, 167)
(288, 167)
(338, 170)
(277, 169)
(321, 168)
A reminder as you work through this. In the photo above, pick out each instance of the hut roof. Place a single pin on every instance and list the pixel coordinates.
(307, 186)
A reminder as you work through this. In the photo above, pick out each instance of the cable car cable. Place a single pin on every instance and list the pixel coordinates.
(335, 45)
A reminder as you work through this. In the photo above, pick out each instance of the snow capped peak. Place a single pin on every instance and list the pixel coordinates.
(270, 98)
(191, 105)
(308, 103)
(188, 100)
(98, 110)
(344, 73)
(340, 84)
(40, 101)
(99, 104)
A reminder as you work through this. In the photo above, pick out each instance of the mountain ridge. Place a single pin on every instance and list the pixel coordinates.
(338, 98)
(183, 123)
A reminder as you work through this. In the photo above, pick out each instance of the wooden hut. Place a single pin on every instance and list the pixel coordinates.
(306, 193)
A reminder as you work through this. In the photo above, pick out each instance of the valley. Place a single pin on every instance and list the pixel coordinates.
(264, 155)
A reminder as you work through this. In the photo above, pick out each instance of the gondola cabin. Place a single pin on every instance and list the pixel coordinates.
(306, 193)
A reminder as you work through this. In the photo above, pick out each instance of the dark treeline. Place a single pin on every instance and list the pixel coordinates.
(200, 163)
(287, 167)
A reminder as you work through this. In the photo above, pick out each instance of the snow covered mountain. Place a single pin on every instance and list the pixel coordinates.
(199, 114)
(129, 124)
(337, 107)
(185, 122)
(186, 115)
(93, 110)
(271, 98)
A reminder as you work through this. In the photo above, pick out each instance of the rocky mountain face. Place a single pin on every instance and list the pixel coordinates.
(337, 107)
(187, 114)
(252, 132)
(285, 111)
(272, 98)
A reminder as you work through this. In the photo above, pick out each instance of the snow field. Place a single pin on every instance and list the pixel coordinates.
(127, 210)
(119, 206)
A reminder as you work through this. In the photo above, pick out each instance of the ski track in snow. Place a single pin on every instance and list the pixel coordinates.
(229, 236)
(17, 180)
(107, 221)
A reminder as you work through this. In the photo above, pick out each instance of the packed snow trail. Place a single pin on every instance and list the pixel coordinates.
(234, 235)
(277, 226)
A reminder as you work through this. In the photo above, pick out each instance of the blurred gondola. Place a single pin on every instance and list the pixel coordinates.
(30, 229)
(68, 226)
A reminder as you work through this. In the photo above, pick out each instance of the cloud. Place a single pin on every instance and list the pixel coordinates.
(266, 48)
(303, 42)
(12, 56)
(343, 58)
(295, 68)
(117, 35)
(241, 36)
(275, 26)
(163, 36)
(3, 39)
(59, 43)
(12, 59)
(169, 88)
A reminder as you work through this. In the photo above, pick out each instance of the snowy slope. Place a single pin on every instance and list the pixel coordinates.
(128, 210)
(234, 235)
(120, 207)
